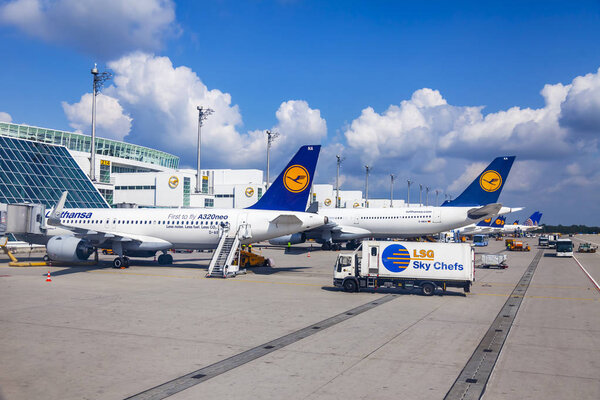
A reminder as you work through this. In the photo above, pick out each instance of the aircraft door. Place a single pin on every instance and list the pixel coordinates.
(437, 215)
(355, 220)
(245, 230)
(373, 260)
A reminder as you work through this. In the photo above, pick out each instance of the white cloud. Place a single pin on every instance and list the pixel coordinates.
(111, 121)
(5, 117)
(160, 100)
(106, 28)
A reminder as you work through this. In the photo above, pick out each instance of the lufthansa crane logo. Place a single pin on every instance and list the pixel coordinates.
(249, 192)
(295, 178)
(327, 202)
(173, 182)
(487, 220)
(490, 181)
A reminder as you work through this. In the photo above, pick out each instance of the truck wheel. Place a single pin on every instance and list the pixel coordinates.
(350, 285)
(428, 289)
(467, 288)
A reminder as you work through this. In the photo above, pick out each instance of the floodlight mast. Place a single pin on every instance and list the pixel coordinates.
(427, 196)
(203, 114)
(392, 190)
(98, 82)
(408, 192)
(337, 181)
(367, 170)
(271, 136)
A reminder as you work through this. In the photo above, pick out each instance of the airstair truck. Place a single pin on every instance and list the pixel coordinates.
(406, 265)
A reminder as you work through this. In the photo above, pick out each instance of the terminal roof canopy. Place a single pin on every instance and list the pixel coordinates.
(39, 173)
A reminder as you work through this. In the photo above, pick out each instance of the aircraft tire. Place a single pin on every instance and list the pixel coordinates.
(168, 259)
(117, 262)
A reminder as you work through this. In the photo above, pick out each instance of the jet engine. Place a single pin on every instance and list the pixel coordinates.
(295, 238)
(68, 248)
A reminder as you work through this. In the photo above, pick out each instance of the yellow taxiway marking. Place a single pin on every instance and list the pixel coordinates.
(535, 297)
(487, 284)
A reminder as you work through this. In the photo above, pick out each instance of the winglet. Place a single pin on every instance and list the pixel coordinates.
(54, 217)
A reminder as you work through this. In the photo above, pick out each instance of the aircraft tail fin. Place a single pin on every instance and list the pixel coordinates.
(487, 187)
(498, 222)
(485, 222)
(534, 220)
(290, 191)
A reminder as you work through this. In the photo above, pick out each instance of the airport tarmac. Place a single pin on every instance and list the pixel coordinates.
(285, 332)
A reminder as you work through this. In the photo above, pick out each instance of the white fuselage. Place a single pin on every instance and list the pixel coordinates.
(397, 222)
(191, 228)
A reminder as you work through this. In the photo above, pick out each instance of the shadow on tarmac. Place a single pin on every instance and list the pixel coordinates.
(382, 290)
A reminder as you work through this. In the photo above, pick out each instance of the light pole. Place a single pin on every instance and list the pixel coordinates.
(427, 196)
(392, 190)
(203, 113)
(408, 192)
(337, 181)
(420, 195)
(98, 82)
(271, 136)
(436, 197)
(367, 169)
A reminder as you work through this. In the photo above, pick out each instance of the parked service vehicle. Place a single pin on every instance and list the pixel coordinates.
(406, 265)
(543, 241)
(480, 240)
(493, 261)
(587, 248)
(552, 241)
(564, 248)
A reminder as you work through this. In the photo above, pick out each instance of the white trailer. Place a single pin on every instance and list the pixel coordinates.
(406, 265)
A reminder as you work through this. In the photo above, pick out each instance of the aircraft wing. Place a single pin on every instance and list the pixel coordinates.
(349, 230)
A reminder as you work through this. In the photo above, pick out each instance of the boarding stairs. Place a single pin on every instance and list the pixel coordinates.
(221, 262)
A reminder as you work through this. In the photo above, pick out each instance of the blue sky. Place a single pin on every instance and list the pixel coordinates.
(427, 90)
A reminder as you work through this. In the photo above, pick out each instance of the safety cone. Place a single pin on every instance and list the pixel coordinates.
(308, 254)
(48, 279)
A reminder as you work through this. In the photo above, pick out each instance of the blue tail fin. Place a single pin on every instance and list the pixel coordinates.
(534, 220)
(498, 222)
(485, 222)
(289, 192)
(487, 187)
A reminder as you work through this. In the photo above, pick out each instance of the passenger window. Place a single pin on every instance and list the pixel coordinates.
(373, 251)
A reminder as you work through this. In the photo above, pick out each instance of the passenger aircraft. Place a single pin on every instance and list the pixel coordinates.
(477, 202)
(530, 225)
(76, 233)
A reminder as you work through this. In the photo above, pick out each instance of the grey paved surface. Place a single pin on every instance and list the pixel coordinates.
(103, 333)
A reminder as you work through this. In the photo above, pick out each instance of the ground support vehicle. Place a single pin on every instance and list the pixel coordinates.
(564, 248)
(250, 259)
(406, 265)
(493, 261)
(518, 245)
(480, 240)
(586, 248)
(543, 241)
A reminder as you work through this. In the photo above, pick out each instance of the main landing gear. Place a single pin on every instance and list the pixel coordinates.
(121, 262)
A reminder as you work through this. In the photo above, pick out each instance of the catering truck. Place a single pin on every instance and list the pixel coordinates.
(406, 265)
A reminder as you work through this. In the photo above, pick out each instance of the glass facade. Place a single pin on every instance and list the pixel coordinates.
(104, 171)
(209, 203)
(186, 192)
(80, 142)
(39, 173)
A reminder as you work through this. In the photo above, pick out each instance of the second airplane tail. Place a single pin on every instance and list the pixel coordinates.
(289, 192)
(487, 187)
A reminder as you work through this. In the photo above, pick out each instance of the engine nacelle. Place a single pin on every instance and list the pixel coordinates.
(68, 248)
(295, 238)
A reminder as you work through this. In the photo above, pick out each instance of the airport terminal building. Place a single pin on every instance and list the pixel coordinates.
(126, 174)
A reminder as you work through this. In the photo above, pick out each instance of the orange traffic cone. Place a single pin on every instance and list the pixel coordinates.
(308, 254)
(48, 279)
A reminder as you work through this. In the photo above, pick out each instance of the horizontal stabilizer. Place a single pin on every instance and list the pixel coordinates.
(508, 210)
(286, 219)
(481, 212)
